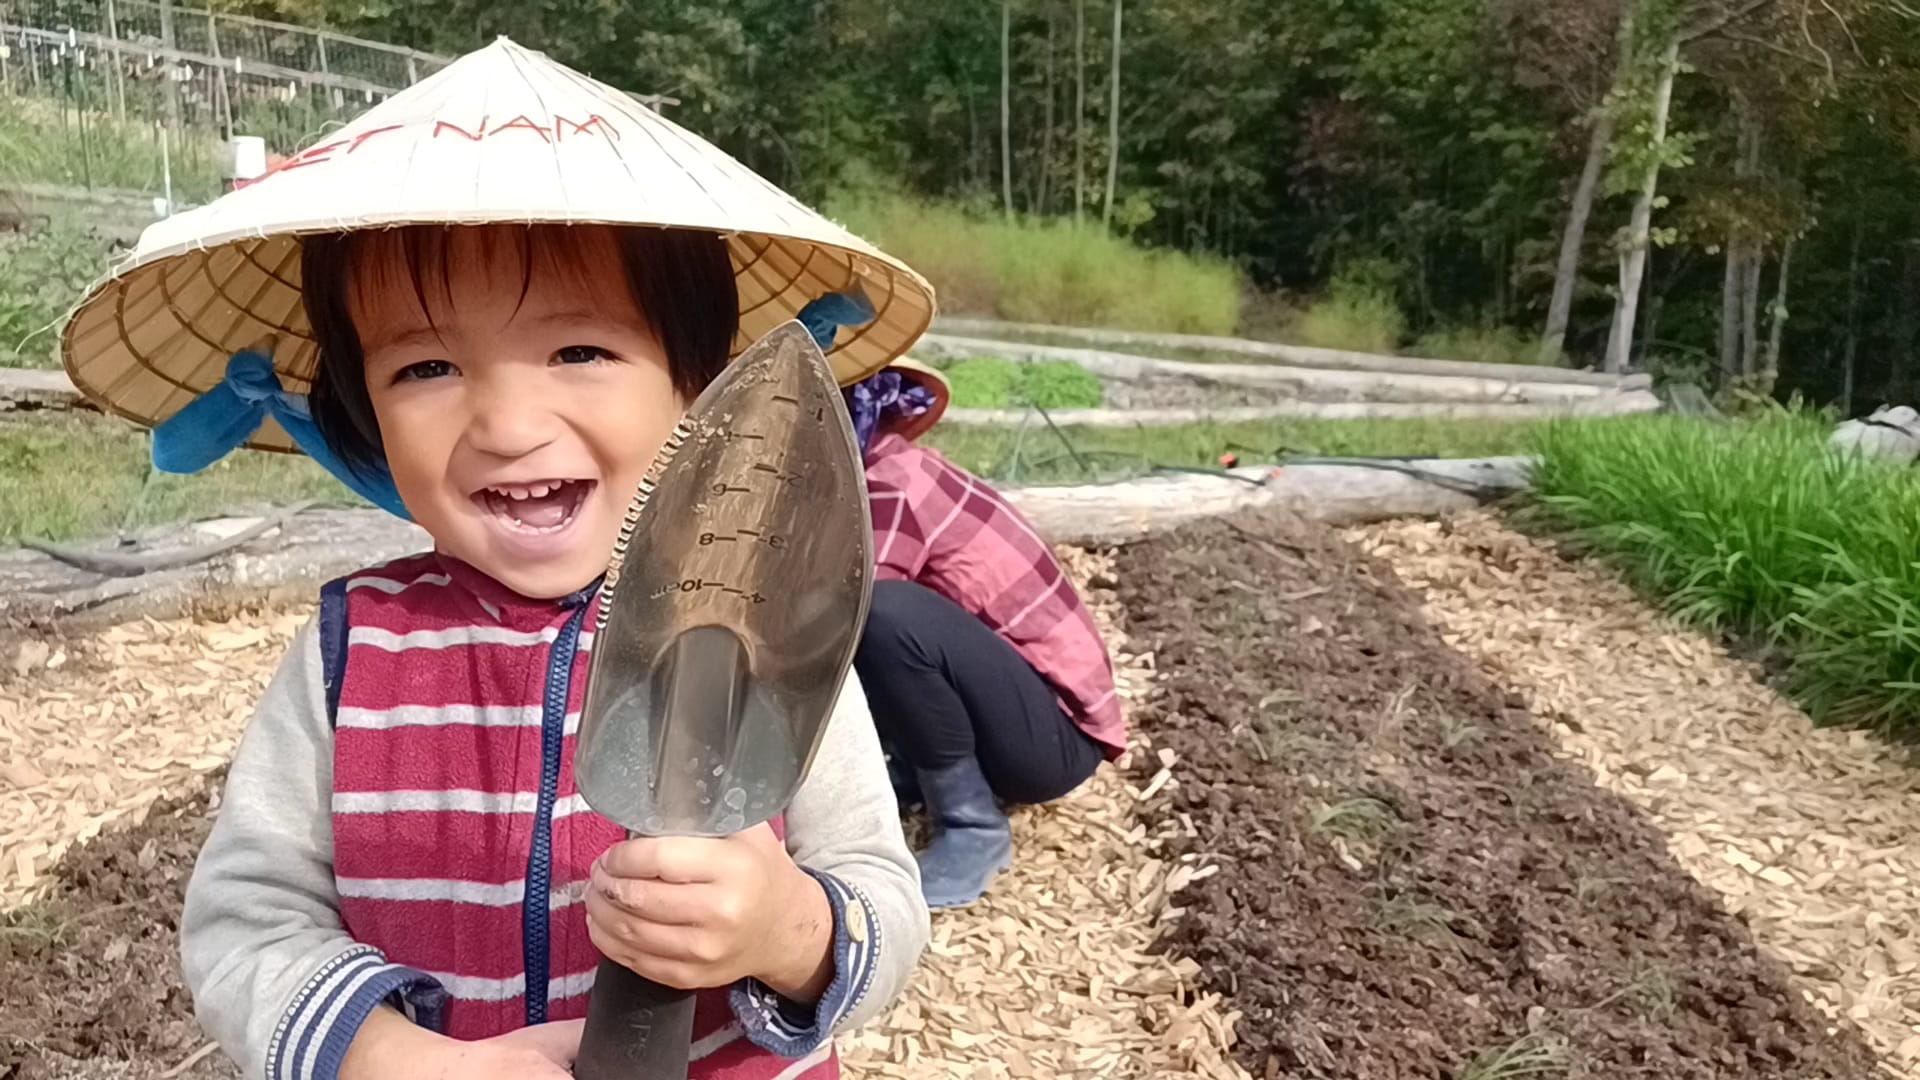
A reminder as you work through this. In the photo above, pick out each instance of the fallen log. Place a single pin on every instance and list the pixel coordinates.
(1512, 383)
(31, 389)
(1620, 404)
(1339, 494)
(1299, 355)
(38, 592)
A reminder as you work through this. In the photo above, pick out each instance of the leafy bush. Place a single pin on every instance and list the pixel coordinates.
(1358, 312)
(42, 274)
(1758, 530)
(1481, 344)
(1047, 271)
(990, 382)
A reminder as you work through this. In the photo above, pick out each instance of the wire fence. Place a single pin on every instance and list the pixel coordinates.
(142, 94)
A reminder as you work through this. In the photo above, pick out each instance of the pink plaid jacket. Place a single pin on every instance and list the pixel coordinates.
(940, 526)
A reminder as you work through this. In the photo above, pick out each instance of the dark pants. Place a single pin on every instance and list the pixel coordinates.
(943, 688)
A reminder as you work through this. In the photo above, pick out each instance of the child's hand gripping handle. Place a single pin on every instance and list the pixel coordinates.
(636, 1029)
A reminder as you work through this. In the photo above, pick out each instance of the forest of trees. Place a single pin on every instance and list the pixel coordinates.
(1718, 189)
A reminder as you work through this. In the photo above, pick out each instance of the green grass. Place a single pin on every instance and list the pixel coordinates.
(990, 382)
(1533, 1055)
(1038, 455)
(41, 143)
(1047, 271)
(79, 476)
(1480, 344)
(42, 274)
(69, 476)
(1757, 531)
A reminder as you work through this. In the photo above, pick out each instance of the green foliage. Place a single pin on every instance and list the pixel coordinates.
(69, 477)
(990, 382)
(42, 274)
(1035, 454)
(1060, 384)
(1359, 312)
(1047, 271)
(1483, 344)
(983, 382)
(42, 144)
(1756, 529)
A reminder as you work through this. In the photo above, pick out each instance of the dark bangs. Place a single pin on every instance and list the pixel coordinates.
(682, 282)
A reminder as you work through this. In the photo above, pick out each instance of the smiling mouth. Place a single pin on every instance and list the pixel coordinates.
(544, 506)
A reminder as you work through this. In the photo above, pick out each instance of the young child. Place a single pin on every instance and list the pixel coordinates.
(986, 676)
(403, 880)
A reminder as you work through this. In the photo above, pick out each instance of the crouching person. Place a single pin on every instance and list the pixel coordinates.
(983, 669)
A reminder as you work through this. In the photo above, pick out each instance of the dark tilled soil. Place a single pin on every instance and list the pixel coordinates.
(1411, 884)
(90, 982)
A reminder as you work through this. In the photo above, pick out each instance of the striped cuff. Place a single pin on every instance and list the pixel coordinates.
(790, 1029)
(312, 1038)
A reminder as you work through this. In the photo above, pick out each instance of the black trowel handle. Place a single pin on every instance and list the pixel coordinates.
(636, 1028)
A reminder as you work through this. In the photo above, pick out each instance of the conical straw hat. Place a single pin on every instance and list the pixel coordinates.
(503, 134)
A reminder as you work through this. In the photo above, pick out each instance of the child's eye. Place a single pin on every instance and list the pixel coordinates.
(582, 354)
(425, 369)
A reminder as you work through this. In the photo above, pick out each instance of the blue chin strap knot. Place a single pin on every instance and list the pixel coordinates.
(224, 418)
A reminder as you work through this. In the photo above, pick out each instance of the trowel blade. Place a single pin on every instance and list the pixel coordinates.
(733, 604)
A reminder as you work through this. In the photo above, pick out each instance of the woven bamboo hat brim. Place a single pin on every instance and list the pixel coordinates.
(936, 383)
(502, 135)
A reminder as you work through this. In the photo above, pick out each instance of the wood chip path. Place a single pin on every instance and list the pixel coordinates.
(1048, 977)
(1813, 834)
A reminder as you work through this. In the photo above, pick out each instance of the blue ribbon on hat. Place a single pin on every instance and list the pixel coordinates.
(224, 418)
(824, 317)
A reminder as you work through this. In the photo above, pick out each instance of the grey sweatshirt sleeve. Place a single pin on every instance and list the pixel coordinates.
(844, 828)
(276, 979)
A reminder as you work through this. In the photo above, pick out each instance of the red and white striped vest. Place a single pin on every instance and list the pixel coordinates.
(462, 847)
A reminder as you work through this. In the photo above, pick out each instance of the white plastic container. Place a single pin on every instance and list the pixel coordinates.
(247, 157)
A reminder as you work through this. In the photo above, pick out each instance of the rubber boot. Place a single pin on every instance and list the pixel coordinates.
(971, 838)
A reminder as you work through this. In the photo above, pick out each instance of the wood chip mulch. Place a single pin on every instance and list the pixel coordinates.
(1812, 835)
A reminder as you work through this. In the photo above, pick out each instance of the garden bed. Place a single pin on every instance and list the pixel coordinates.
(1414, 885)
(1337, 850)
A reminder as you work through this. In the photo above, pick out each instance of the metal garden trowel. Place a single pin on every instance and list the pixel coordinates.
(730, 614)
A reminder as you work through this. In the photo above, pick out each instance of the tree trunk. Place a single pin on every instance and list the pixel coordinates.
(1730, 308)
(1113, 119)
(1079, 108)
(1566, 275)
(1900, 379)
(1853, 325)
(1633, 261)
(1041, 203)
(1006, 106)
(1753, 256)
(1777, 312)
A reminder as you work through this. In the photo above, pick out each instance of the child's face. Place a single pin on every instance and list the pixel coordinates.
(516, 426)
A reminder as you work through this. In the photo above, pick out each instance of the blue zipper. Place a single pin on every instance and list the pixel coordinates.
(536, 921)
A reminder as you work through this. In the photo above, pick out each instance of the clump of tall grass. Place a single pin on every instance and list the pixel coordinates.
(1047, 271)
(1482, 344)
(1358, 312)
(41, 145)
(1758, 530)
